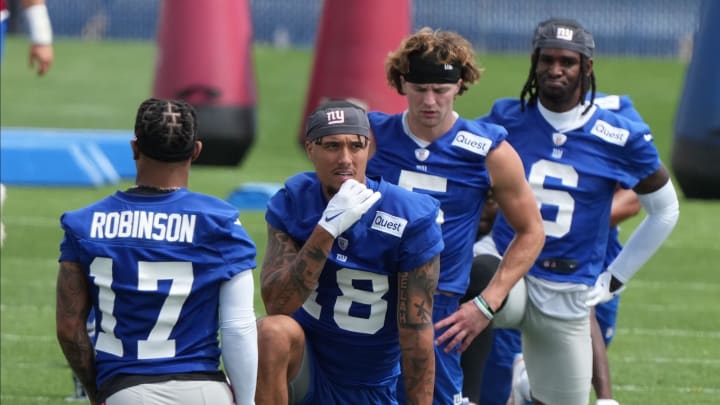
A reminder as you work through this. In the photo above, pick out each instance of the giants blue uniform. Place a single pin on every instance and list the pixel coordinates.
(497, 377)
(452, 169)
(351, 319)
(574, 176)
(155, 264)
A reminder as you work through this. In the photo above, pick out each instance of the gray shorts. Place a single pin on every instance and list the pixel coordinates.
(557, 352)
(174, 393)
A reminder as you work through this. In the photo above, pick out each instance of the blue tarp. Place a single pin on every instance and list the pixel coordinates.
(64, 157)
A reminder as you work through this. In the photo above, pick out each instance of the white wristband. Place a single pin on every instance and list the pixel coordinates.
(39, 24)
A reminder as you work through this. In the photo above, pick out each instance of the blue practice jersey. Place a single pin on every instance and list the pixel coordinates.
(497, 378)
(155, 264)
(452, 169)
(574, 175)
(351, 319)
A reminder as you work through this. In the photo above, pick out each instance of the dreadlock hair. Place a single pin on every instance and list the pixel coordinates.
(530, 88)
(166, 130)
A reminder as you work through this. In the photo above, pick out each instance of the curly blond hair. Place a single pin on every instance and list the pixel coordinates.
(443, 46)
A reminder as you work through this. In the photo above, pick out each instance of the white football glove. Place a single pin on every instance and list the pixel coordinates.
(601, 291)
(347, 206)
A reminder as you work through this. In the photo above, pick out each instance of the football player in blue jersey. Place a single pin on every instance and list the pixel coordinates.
(348, 278)
(574, 154)
(431, 150)
(164, 269)
(496, 383)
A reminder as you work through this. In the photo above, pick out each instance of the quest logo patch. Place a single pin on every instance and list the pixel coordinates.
(609, 133)
(471, 142)
(389, 224)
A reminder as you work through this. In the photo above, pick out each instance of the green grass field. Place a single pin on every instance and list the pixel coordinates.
(667, 347)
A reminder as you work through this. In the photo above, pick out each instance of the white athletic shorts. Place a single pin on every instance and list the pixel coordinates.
(173, 392)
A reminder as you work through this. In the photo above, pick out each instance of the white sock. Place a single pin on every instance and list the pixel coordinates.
(524, 386)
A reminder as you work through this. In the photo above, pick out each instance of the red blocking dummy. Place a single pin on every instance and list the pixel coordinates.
(205, 58)
(352, 43)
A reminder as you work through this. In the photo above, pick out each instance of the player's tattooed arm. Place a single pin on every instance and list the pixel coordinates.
(72, 309)
(289, 272)
(416, 289)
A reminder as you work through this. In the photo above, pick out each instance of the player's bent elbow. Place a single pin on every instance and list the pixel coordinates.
(67, 329)
(662, 205)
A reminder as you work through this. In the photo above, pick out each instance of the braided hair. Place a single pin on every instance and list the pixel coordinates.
(166, 130)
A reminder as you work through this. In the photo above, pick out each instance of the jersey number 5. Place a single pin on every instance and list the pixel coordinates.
(158, 343)
(410, 180)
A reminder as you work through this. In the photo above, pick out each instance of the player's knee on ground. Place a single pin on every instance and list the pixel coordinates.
(483, 269)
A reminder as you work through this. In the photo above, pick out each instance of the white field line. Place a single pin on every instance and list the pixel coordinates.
(675, 285)
(12, 337)
(665, 308)
(41, 222)
(24, 308)
(666, 388)
(24, 399)
(682, 333)
(668, 360)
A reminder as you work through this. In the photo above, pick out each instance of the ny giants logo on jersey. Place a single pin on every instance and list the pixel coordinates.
(609, 133)
(389, 224)
(471, 142)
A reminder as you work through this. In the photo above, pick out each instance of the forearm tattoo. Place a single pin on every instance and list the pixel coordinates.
(72, 308)
(289, 275)
(415, 301)
(415, 295)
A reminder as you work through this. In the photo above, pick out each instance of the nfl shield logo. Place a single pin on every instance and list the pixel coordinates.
(342, 243)
(422, 154)
(559, 139)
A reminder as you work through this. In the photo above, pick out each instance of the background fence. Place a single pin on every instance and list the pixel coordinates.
(638, 27)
